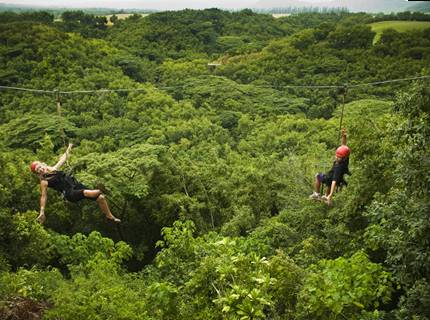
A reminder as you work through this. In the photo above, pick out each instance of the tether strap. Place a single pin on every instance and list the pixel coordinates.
(58, 100)
(344, 92)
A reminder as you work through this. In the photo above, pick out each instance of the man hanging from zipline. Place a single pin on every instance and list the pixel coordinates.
(334, 178)
(72, 190)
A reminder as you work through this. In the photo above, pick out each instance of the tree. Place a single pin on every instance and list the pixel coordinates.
(352, 288)
(348, 37)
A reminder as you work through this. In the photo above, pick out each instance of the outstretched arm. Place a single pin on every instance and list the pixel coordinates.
(43, 197)
(330, 195)
(63, 158)
(343, 136)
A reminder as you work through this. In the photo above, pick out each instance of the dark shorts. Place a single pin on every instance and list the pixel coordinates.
(323, 178)
(75, 195)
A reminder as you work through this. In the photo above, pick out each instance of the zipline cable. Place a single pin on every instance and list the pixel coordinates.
(27, 89)
(181, 86)
(386, 81)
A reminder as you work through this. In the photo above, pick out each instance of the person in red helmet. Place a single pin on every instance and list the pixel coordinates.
(334, 178)
(72, 190)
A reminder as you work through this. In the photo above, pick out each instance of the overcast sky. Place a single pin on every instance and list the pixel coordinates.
(148, 4)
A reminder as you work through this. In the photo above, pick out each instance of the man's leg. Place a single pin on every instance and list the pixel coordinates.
(41, 218)
(317, 185)
(101, 200)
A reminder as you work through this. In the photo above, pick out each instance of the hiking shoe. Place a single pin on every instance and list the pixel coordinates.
(315, 196)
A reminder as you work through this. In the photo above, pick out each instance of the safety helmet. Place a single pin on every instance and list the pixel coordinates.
(33, 166)
(343, 152)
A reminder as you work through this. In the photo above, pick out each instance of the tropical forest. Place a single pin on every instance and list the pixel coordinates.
(204, 132)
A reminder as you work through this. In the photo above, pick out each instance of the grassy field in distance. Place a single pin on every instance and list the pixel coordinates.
(124, 16)
(281, 15)
(400, 26)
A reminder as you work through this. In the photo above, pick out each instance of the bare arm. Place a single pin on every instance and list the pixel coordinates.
(63, 158)
(43, 199)
(330, 195)
(43, 195)
(344, 136)
(333, 187)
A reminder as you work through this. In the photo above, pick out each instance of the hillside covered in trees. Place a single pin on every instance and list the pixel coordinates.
(205, 130)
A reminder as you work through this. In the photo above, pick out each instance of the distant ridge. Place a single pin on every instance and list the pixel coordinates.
(351, 5)
(423, 6)
(385, 6)
(62, 8)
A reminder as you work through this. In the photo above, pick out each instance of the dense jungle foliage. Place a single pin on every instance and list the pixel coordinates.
(210, 168)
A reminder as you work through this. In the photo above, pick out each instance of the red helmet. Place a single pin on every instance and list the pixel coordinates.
(343, 152)
(33, 166)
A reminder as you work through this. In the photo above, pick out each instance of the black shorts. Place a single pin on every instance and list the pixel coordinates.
(323, 178)
(75, 195)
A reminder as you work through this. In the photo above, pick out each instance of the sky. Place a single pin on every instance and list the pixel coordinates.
(146, 4)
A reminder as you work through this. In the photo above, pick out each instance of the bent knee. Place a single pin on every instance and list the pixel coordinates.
(100, 196)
